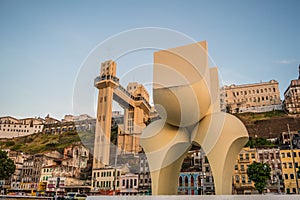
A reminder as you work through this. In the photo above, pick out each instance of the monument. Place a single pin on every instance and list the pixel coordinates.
(186, 96)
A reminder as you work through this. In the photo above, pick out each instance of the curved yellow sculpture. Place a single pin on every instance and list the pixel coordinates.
(186, 94)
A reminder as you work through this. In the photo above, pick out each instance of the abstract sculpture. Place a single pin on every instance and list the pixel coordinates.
(186, 96)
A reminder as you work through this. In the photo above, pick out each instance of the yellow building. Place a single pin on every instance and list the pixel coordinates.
(257, 97)
(289, 170)
(242, 184)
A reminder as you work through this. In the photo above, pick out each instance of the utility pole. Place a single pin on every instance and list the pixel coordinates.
(293, 158)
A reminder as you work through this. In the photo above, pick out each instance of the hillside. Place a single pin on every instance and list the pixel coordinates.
(39, 143)
(270, 124)
(265, 125)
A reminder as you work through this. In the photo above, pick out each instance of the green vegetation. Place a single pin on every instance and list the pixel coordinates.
(259, 142)
(253, 117)
(7, 166)
(259, 173)
(39, 143)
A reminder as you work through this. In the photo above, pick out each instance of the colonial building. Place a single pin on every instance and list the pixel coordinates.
(196, 176)
(295, 137)
(129, 184)
(242, 184)
(257, 97)
(69, 123)
(189, 183)
(56, 185)
(106, 181)
(290, 162)
(292, 96)
(11, 127)
(31, 172)
(271, 156)
(144, 176)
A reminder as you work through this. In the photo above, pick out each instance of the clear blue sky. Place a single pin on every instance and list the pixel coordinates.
(44, 43)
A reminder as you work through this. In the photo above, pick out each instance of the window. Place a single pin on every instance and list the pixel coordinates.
(243, 179)
(286, 176)
(237, 179)
(283, 155)
(247, 156)
(207, 169)
(294, 190)
(290, 165)
(207, 179)
(180, 181)
(242, 168)
(236, 167)
(284, 165)
(292, 176)
(241, 156)
(288, 154)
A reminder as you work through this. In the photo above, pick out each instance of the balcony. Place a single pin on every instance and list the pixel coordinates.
(98, 79)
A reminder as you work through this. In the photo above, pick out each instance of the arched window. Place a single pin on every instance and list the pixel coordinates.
(180, 181)
(192, 181)
(186, 181)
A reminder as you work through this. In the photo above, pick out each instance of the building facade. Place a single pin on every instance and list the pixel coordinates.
(257, 97)
(241, 183)
(69, 123)
(196, 176)
(144, 176)
(129, 184)
(106, 181)
(11, 127)
(290, 162)
(292, 96)
(271, 156)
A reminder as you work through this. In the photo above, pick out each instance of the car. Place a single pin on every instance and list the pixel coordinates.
(75, 195)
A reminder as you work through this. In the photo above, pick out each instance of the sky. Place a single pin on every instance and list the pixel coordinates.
(44, 44)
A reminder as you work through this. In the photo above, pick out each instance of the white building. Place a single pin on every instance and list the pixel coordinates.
(11, 127)
(56, 184)
(106, 180)
(129, 184)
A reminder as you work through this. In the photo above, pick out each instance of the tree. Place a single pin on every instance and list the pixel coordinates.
(7, 166)
(259, 173)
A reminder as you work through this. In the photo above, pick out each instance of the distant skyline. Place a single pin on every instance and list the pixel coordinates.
(45, 43)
